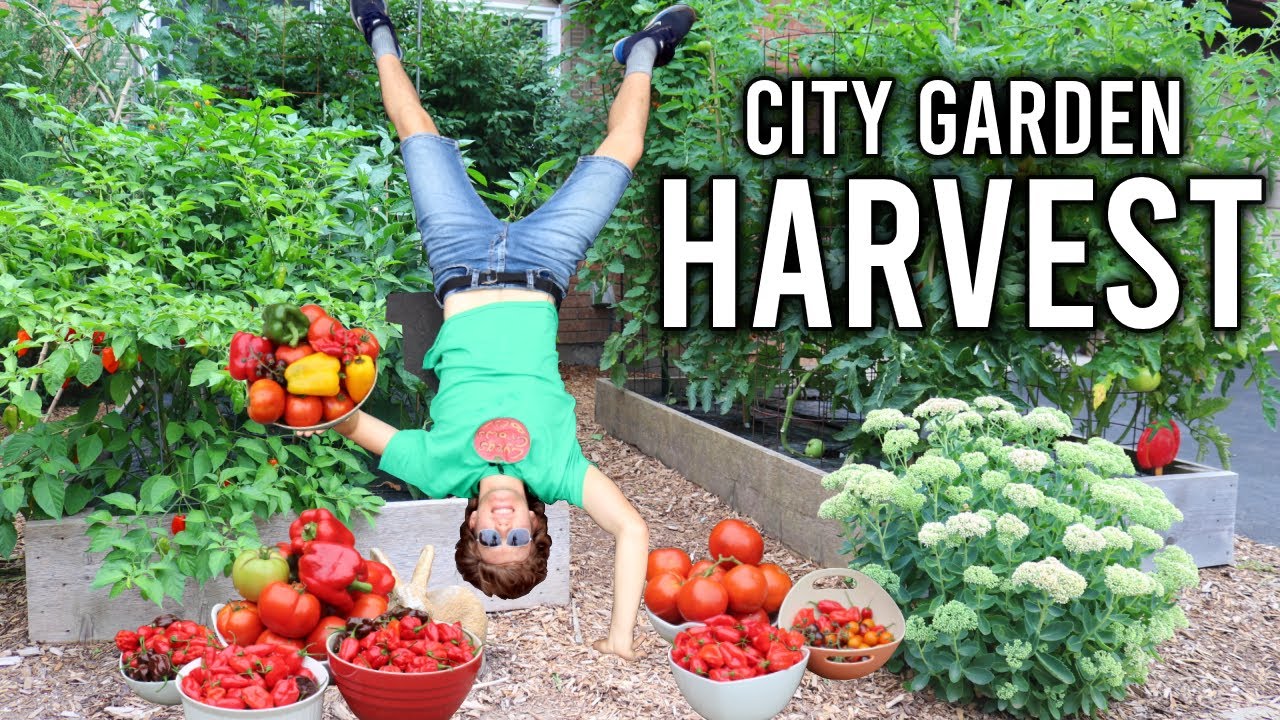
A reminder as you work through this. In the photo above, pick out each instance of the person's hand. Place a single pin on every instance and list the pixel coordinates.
(343, 428)
(622, 649)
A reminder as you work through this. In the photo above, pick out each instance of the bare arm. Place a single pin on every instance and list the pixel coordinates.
(611, 510)
(367, 431)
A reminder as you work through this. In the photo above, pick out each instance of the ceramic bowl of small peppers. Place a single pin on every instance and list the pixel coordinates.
(306, 371)
(262, 682)
(834, 654)
(728, 670)
(151, 655)
(404, 665)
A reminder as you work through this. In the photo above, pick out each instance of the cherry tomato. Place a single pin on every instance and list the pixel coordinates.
(266, 401)
(337, 406)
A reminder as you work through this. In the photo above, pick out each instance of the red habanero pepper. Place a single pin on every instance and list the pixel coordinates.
(804, 618)
(826, 607)
(1158, 445)
(285, 692)
(23, 336)
(318, 524)
(330, 572)
(257, 698)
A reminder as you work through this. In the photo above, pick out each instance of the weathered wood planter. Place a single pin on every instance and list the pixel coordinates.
(782, 494)
(61, 607)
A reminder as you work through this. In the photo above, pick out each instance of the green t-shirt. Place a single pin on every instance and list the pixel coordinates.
(494, 361)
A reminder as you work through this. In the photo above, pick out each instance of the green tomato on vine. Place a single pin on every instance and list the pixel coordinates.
(1144, 380)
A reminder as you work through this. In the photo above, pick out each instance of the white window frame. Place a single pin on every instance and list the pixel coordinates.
(552, 15)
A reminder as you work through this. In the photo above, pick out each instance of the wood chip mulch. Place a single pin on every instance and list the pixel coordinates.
(540, 664)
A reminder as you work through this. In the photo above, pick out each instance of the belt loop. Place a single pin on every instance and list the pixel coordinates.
(528, 275)
(475, 278)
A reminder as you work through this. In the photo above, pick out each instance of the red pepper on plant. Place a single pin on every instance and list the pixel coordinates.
(1158, 445)
(178, 524)
(23, 336)
(331, 572)
(109, 361)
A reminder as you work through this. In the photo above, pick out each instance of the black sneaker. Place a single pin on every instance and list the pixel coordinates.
(369, 15)
(667, 28)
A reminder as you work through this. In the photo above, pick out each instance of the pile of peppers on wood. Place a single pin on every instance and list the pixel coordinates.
(298, 592)
(305, 368)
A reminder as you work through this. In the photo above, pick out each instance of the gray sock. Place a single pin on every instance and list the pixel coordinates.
(641, 57)
(383, 43)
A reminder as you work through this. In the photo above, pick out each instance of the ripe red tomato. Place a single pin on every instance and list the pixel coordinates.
(266, 401)
(324, 328)
(319, 636)
(289, 355)
(660, 596)
(746, 587)
(366, 343)
(271, 638)
(706, 568)
(779, 583)
(313, 311)
(701, 598)
(672, 560)
(337, 406)
(239, 623)
(303, 410)
(288, 609)
(369, 605)
(736, 539)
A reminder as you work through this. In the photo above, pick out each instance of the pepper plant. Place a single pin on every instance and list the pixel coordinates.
(1232, 104)
(1015, 554)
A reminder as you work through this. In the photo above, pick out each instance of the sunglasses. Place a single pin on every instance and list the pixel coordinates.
(518, 537)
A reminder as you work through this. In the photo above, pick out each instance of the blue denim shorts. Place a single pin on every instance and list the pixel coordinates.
(462, 237)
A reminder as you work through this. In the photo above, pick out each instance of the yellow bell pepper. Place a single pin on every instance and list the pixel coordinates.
(315, 374)
(360, 376)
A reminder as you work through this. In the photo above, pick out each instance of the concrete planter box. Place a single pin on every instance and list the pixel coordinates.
(61, 606)
(782, 494)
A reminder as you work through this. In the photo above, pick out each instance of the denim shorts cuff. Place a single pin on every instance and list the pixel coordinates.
(430, 137)
(608, 161)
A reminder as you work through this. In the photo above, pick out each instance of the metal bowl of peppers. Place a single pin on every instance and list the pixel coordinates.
(306, 372)
(860, 591)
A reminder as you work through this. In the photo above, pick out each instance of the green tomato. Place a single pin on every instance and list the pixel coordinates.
(1144, 380)
(11, 420)
(253, 570)
(815, 448)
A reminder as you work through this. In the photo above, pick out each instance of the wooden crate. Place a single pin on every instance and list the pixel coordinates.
(782, 494)
(62, 607)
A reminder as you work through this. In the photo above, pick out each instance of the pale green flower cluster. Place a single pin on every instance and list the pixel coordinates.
(1109, 458)
(919, 631)
(932, 470)
(1050, 422)
(899, 441)
(1137, 662)
(1010, 529)
(958, 494)
(1015, 653)
(886, 419)
(1073, 454)
(1006, 691)
(1136, 500)
(1165, 624)
(1129, 582)
(1065, 513)
(1024, 495)
(955, 618)
(987, 444)
(883, 576)
(994, 480)
(966, 526)
(989, 403)
(1117, 538)
(966, 420)
(863, 486)
(1175, 569)
(839, 479)
(1028, 460)
(1079, 539)
(981, 576)
(1007, 421)
(935, 407)
(1103, 667)
(989, 514)
(1144, 538)
(973, 460)
(1060, 582)
(932, 533)
(838, 507)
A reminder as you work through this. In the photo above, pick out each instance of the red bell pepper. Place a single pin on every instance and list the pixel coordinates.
(331, 571)
(247, 351)
(320, 525)
(379, 577)
(1158, 445)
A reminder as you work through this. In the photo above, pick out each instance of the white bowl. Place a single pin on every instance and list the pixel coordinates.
(757, 698)
(666, 629)
(214, 627)
(311, 708)
(164, 692)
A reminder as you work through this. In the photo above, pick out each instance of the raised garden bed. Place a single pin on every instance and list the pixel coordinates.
(783, 493)
(62, 607)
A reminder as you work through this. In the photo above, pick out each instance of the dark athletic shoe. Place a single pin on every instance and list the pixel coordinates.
(369, 15)
(667, 28)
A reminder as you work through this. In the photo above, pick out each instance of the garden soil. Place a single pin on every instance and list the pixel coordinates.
(540, 664)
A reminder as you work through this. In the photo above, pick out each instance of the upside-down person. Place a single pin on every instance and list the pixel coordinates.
(504, 431)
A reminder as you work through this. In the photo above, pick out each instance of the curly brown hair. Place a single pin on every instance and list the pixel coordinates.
(511, 580)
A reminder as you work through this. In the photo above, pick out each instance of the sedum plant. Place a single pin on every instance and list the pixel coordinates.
(1015, 553)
